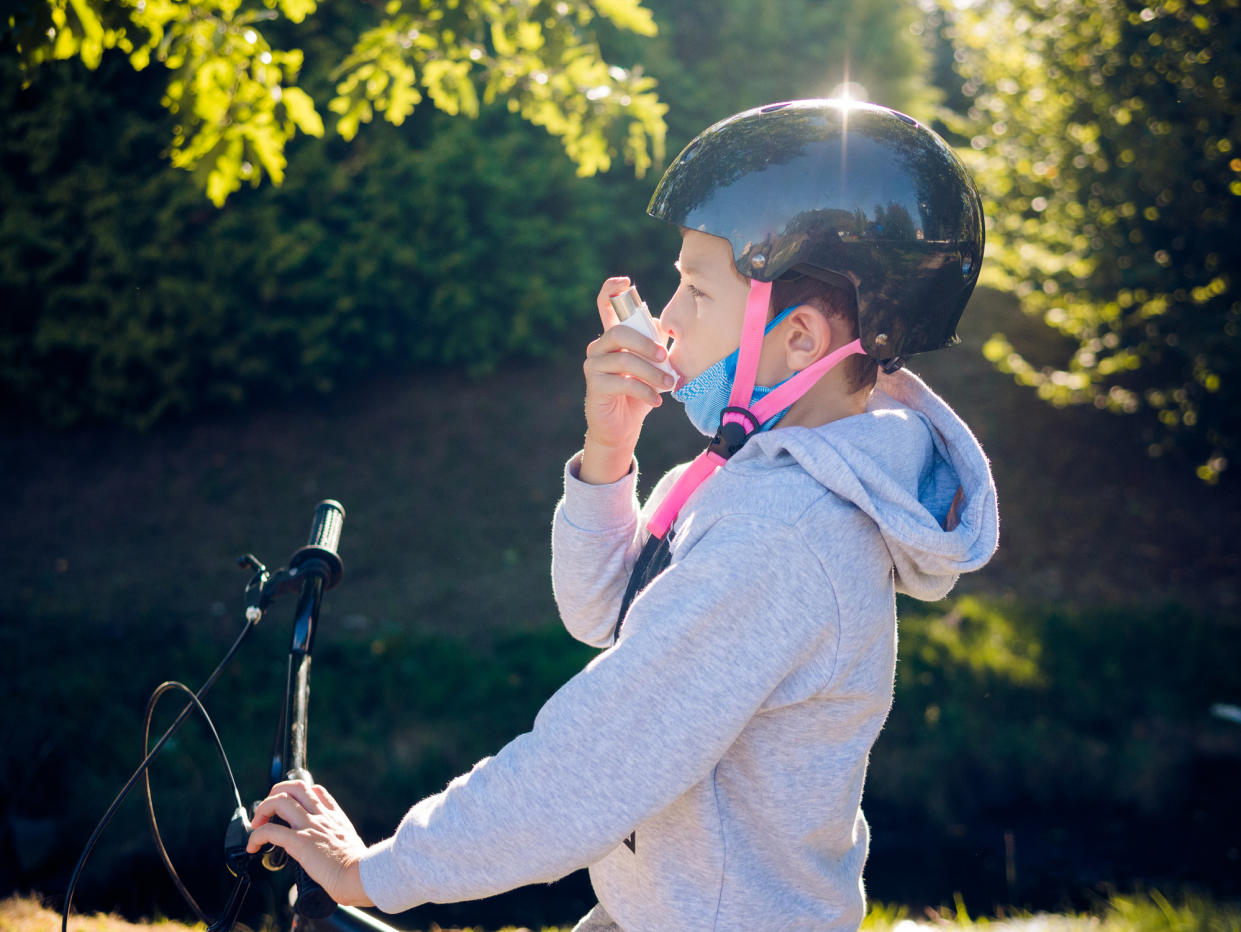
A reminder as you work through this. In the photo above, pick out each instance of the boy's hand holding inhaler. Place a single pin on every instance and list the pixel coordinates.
(626, 370)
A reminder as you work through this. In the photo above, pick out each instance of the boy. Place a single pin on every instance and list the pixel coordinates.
(708, 764)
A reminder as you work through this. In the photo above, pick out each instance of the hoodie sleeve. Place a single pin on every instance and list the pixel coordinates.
(596, 535)
(594, 542)
(641, 724)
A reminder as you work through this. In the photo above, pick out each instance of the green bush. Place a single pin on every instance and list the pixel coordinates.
(1007, 708)
(1103, 137)
(129, 298)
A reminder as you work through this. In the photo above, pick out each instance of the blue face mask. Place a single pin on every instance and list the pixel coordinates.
(705, 396)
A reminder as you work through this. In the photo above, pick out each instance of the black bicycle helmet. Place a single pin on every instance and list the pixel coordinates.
(851, 193)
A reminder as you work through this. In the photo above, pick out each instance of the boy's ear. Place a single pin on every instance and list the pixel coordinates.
(810, 336)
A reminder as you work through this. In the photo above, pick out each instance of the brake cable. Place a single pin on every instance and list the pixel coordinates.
(146, 779)
(144, 767)
(312, 569)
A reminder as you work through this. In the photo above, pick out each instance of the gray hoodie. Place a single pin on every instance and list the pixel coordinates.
(709, 765)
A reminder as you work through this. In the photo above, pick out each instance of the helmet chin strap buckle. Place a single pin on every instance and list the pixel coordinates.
(734, 432)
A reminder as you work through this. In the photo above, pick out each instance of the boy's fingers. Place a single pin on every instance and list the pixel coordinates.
(304, 795)
(284, 806)
(611, 286)
(628, 339)
(271, 834)
(287, 786)
(631, 365)
(298, 790)
(632, 388)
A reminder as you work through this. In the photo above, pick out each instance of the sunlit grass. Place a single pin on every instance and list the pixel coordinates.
(29, 914)
(1142, 912)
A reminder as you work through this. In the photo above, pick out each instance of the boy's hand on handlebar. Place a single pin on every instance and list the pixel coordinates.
(319, 836)
(622, 386)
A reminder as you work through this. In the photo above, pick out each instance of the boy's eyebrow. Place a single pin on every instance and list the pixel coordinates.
(684, 268)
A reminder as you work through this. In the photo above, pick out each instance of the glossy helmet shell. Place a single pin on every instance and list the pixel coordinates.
(851, 193)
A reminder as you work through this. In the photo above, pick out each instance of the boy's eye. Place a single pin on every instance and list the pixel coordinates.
(696, 292)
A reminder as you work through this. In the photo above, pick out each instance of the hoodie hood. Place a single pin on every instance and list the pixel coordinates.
(912, 465)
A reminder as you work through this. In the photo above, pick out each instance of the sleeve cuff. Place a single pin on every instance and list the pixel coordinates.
(597, 508)
(385, 891)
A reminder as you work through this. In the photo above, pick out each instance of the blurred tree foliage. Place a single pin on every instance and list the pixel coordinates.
(1104, 137)
(129, 298)
(237, 106)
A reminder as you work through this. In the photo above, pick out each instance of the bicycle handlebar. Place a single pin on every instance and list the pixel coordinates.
(325, 530)
(313, 901)
(313, 569)
(324, 539)
(319, 558)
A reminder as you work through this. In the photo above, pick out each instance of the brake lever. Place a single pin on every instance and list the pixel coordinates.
(241, 864)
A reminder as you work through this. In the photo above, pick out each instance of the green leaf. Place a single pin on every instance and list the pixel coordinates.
(627, 14)
(224, 176)
(297, 10)
(301, 110)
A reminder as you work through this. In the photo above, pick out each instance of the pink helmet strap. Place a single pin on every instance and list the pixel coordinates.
(757, 306)
(784, 395)
(707, 462)
(696, 473)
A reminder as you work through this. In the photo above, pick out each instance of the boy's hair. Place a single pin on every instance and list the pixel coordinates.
(832, 301)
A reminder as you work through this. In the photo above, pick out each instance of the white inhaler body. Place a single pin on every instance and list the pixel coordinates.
(633, 313)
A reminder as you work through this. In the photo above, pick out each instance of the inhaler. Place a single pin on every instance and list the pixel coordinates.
(633, 313)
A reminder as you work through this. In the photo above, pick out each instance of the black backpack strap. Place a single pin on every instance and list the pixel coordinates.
(652, 561)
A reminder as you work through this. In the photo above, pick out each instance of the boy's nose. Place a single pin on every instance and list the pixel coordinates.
(662, 325)
(670, 318)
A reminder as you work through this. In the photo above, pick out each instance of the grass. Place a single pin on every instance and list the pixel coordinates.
(30, 914)
(1145, 912)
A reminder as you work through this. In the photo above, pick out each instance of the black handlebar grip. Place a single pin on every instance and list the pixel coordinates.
(312, 900)
(320, 551)
(325, 529)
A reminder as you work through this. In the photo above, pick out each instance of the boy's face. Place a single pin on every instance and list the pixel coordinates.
(704, 315)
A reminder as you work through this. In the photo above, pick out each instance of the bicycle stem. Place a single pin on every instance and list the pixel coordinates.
(289, 754)
(318, 569)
